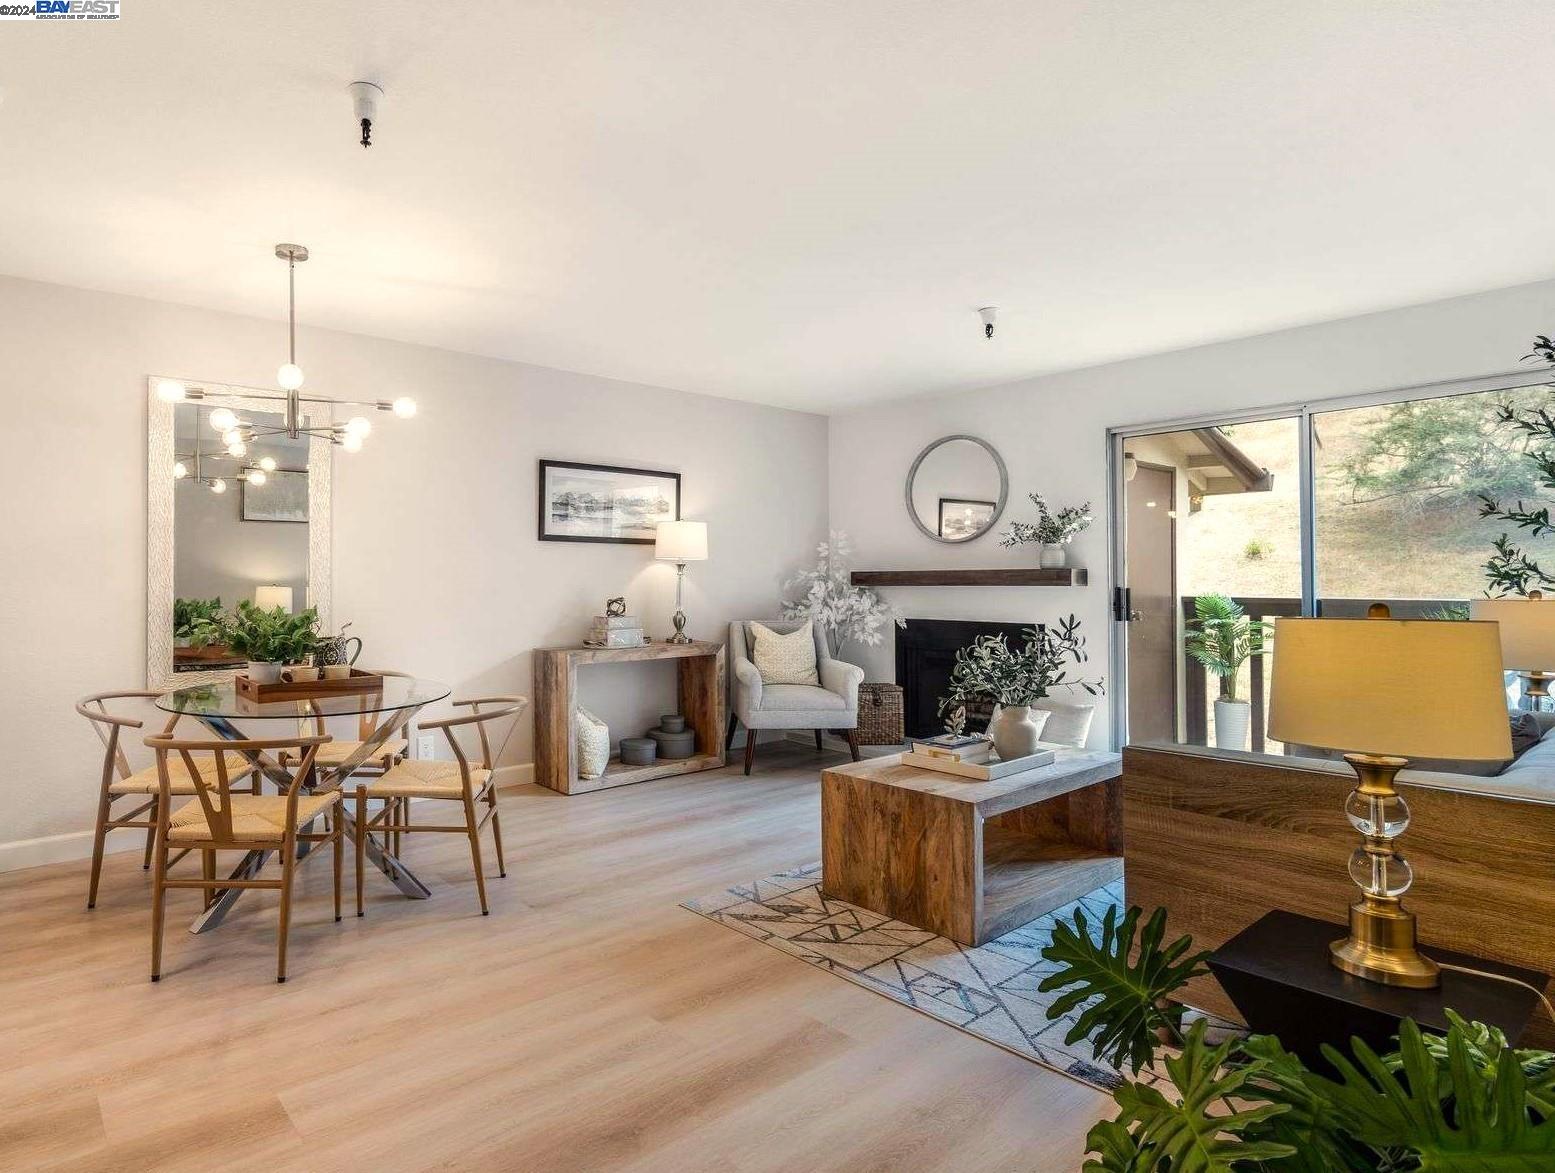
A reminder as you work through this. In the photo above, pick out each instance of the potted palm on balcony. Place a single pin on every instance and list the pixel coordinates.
(1222, 637)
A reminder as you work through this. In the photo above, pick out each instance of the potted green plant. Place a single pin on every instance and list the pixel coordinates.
(1052, 531)
(1222, 637)
(271, 640)
(1466, 1101)
(196, 622)
(1015, 677)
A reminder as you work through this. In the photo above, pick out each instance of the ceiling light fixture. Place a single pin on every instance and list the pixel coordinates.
(364, 107)
(191, 466)
(988, 313)
(237, 433)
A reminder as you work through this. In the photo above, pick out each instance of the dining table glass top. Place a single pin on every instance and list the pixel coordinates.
(222, 700)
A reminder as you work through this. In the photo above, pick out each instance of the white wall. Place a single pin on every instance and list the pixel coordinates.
(436, 560)
(1052, 434)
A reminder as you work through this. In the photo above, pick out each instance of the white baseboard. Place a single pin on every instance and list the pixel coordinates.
(77, 845)
(516, 775)
(35, 853)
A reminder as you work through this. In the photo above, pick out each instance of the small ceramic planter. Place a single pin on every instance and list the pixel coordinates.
(264, 671)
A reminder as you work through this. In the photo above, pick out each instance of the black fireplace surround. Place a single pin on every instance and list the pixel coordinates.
(925, 653)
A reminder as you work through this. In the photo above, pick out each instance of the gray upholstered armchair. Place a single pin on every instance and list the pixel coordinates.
(758, 706)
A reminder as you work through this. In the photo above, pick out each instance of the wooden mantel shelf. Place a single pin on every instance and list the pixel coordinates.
(1012, 576)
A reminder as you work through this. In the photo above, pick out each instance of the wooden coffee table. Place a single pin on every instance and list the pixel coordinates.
(971, 860)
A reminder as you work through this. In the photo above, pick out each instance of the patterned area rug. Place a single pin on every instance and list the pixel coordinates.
(990, 991)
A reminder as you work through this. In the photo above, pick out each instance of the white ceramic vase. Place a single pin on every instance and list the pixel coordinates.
(1232, 719)
(264, 671)
(1015, 730)
(1053, 557)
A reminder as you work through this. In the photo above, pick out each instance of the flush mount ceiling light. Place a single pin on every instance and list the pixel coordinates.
(237, 433)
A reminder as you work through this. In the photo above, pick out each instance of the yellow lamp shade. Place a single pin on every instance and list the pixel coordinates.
(1402, 687)
(268, 598)
(1527, 631)
(681, 541)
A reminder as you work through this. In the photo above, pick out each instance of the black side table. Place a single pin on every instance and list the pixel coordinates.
(1277, 973)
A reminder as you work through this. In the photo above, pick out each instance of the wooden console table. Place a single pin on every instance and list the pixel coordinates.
(971, 860)
(700, 672)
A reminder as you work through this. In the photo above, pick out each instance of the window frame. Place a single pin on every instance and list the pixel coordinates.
(1304, 412)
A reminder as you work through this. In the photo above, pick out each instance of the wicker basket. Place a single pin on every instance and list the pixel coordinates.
(880, 714)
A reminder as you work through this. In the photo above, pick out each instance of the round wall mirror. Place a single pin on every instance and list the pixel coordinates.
(957, 488)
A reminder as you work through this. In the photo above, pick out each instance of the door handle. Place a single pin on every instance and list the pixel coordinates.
(1123, 605)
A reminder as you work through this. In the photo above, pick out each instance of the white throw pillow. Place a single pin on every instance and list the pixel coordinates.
(1069, 723)
(593, 744)
(785, 659)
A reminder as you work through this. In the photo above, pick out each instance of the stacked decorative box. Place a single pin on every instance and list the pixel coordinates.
(616, 631)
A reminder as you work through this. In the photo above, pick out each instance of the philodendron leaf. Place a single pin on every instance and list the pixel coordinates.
(1485, 1044)
(1450, 1116)
(1186, 1136)
(1311, 1125)
(1116, 1149)
(1127, 1000)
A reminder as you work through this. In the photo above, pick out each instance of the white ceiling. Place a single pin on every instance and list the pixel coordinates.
(801, 202)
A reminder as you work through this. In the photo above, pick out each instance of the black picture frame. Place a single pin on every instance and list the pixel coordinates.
(963, 501)
(546, 522)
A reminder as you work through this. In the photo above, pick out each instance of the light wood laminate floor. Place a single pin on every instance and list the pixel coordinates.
(587, 1024)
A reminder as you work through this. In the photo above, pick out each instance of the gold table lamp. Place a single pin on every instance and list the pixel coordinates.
(1386, 690)
(1527, 637)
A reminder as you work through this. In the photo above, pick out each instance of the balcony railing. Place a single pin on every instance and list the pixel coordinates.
(1197, 688)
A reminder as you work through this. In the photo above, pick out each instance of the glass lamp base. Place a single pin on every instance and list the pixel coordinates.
(1381, 947)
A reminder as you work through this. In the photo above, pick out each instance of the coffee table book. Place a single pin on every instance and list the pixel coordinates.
(984, 771)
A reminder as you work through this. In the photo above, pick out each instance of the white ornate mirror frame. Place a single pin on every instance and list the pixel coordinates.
(161, 453)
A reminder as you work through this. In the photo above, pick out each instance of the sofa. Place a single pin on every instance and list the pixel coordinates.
(1219, 839)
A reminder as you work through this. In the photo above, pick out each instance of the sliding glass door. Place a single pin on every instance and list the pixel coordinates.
(1210, 521)
(1230, 523)
(1397, 493)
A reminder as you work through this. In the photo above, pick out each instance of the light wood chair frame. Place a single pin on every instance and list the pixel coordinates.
(364, 729)
(216, 804)
(393, 818)
(109, 726)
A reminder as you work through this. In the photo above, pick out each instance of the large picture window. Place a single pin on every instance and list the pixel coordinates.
(1225, 525)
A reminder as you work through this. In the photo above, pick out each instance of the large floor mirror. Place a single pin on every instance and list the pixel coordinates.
(227, 520)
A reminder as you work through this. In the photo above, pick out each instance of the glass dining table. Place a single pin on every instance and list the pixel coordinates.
(379, 715)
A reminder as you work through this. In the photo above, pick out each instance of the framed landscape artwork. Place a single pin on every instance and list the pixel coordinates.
(959, 518)
(603, 503)
(283, 497)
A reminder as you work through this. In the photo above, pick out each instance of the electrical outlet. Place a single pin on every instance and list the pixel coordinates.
(424, 748)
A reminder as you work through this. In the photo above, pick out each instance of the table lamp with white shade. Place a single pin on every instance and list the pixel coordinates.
(1527, 637)
(268, 598)
(680, 542)
(1384, 690)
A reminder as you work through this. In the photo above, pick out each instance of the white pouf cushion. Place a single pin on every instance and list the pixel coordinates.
(1069, 722)
(593, 745)
(784, 659)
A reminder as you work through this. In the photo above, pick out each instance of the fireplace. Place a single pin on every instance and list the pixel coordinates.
(925, 653)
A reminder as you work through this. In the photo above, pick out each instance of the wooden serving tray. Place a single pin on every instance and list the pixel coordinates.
(308, 690)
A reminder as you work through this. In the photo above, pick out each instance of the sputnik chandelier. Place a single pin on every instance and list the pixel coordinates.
(237, 433)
